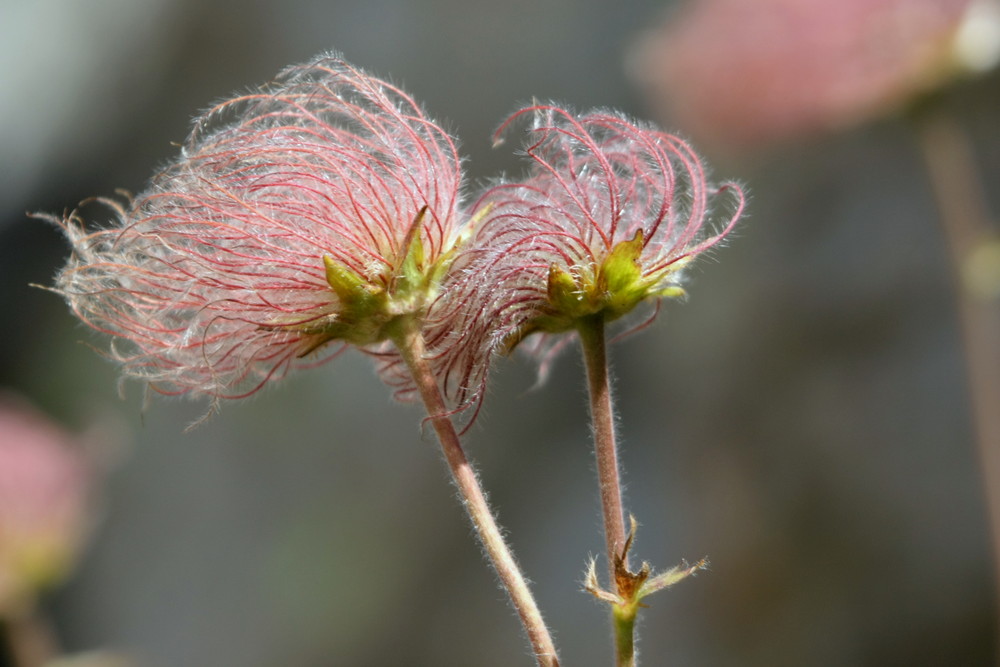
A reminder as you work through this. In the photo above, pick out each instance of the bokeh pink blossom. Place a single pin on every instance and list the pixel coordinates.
(45, 494)
(741, 75)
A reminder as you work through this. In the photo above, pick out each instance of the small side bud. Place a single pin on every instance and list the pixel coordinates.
(631, 587)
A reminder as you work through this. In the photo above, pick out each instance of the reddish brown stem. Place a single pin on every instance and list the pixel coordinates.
(411, 346)
(602, 415)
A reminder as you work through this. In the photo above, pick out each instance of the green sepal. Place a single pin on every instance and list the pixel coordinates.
(566, 296)
(620, 278)
(357, 295)
(569, 299)
(345, 283)
(621, 269)
(363, 308)
(412, 275)
(417, 280)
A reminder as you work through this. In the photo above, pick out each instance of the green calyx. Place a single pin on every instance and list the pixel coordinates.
(364, 307)
(368, 308)
(613, 290)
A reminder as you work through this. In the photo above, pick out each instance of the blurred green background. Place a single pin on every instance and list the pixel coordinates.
(801, 419)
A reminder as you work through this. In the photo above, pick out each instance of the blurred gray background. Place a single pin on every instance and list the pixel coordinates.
(801, 419)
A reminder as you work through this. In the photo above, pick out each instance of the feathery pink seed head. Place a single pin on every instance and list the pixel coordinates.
(314, 209)
(609, 215)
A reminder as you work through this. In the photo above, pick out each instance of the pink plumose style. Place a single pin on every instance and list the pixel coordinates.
(45, 483)
(609, 215)
(740, 75)
(297, 218)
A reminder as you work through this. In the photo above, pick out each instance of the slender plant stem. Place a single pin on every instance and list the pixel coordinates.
(624, 619)
(410, 343)
(602, 414)
(967, 230)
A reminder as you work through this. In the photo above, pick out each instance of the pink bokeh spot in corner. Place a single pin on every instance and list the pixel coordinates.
(740, 75)
(45, 481)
